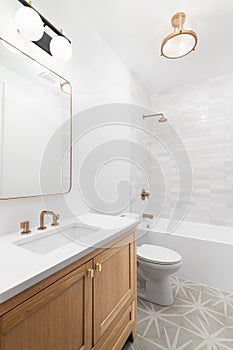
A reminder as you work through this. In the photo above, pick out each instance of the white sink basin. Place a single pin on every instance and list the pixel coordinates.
(43, 243)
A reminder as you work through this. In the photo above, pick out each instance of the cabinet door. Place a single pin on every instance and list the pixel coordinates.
(57, 318)
(114, 285)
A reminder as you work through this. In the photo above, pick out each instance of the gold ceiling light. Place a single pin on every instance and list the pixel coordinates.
(181, 42)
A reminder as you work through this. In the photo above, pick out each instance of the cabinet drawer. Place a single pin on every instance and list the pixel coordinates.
(121, 331)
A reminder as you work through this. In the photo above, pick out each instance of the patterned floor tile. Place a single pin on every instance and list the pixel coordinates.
(181, 287)
(174, 337)
(201, 318)
(219, 340)
(222, 301)
(212, 337)
(199, 304)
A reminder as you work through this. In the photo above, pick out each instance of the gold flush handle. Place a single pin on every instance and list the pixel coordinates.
(90, 273)
(98, 267)
(25, 226)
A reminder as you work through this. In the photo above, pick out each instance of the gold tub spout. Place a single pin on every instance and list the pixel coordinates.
(147, 216)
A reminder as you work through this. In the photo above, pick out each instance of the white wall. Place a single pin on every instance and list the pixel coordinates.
(140, 95)
(97, 76)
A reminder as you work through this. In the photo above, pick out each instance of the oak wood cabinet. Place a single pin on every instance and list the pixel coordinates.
(88, 305)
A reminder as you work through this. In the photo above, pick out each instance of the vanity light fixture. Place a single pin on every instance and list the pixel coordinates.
(31, 25)
(181, 42)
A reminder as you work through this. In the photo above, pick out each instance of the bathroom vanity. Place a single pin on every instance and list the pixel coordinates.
(88, 304)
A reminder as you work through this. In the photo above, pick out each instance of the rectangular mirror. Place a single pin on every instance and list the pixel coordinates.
(35, 127)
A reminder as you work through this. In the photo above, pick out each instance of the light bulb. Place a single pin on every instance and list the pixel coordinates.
(61, 49)
(29, 24)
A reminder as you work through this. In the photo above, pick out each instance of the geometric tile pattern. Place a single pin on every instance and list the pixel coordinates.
(201, 318)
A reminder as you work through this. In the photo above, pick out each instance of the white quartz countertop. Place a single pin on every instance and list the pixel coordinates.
(21, 268)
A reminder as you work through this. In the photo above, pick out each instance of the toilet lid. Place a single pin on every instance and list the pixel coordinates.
(158, 255)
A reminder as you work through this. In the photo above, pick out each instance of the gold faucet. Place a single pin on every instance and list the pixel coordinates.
(48, 212)
(25, 226)
(144, 195)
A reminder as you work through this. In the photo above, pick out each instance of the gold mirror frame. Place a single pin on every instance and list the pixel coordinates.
(71, 126)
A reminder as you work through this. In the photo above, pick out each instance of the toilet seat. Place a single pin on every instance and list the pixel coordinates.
(158, 255)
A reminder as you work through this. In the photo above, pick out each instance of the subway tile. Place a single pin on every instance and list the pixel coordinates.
(202, 114)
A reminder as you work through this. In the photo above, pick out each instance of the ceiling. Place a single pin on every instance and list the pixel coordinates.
(135, 29)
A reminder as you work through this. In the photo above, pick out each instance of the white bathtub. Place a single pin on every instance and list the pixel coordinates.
(207, 251)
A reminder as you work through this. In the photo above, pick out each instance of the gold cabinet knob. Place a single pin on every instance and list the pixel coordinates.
(90, 273)
(98, 267)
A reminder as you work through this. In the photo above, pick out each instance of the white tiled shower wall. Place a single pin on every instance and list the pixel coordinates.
(202, 114)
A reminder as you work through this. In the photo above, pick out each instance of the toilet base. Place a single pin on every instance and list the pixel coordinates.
(158, 292)
(154, 283)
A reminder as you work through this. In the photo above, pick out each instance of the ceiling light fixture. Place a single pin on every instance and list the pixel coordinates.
(31, 25)
(181, 42)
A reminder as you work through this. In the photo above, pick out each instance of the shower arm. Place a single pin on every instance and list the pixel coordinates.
(153, 115)
(161, 120)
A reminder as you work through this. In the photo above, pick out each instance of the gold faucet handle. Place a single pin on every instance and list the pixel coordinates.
(25, 227)
(56, 217)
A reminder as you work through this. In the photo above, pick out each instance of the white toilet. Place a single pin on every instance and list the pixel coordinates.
(155, 264)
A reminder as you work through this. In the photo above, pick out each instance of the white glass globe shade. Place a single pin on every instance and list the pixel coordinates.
(61, 49)
(29, 24)
(179, 45)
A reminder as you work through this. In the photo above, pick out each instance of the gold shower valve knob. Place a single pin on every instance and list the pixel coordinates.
(144, 194)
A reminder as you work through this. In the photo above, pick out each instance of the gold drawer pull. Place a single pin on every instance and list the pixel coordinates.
(90, 273)
(98, 267)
